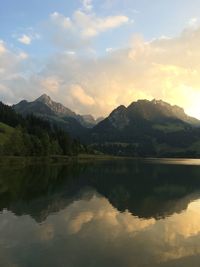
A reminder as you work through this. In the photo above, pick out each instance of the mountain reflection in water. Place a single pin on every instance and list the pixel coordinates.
(120, 213)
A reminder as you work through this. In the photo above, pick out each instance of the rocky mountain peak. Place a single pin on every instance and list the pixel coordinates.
(44, 98)
(119, 118)
(118, 110)
(45, 106)
(55, 107)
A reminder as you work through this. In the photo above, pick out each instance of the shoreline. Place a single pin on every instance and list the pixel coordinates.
(17, 160)
(82, 158)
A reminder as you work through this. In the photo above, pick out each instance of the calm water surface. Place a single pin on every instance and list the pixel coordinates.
(108, 214)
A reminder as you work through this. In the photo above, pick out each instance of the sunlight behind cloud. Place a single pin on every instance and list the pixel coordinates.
(164, 68)
(79, 94)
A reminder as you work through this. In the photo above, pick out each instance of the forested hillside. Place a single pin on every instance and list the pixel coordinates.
(32, 136)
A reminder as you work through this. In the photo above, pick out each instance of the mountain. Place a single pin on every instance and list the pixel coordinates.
(144, 128)
(144, 114)
(99, 119)
(57, 108)
(46, 106)
(147, 128)
(56, 113)
(158, 110)
(155, 111)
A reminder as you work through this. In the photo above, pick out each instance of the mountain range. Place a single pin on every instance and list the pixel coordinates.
(58, 114)
(144, 128)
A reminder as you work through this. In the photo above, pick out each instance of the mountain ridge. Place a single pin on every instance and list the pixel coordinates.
(142, 105)
(148, 128)
(57, 113)
(143, 128)
(154, 110)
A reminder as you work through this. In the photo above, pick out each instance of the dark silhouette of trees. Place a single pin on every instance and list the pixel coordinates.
(33, 136)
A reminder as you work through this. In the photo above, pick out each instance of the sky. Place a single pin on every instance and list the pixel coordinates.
(93, 55)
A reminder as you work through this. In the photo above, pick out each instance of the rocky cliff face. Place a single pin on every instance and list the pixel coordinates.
(58, 108)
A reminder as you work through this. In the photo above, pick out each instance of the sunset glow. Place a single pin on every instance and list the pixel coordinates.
(95, 55)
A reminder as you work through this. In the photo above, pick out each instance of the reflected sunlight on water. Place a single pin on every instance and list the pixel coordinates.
(94, 226)
(174, 161)
(131, 214)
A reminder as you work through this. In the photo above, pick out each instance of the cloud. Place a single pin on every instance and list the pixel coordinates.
(10, 61)
(81, 219)
(194, 23)
(91, 25)
(51, 84)
(87, 5)
(23, 55)
(13, 68)
(163, 68)
(109, 49)
(61, 20)
(155, 69)
(25, 39)
(83, 26)
(2, 47)
(91, 225)
(79, 94)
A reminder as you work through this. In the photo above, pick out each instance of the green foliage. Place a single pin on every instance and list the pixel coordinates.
(5, 132)
(32, 136)
(15, 145)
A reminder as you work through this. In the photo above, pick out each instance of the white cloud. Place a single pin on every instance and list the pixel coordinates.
(2, 47)
(25, 39)
(91, 25)
(23, 55)
(51, 84)
(72, 53)
(193, 22)
(77, 32)
(164, 68)
(86, 25)
(155, 69)
(87, 5)
(61, 20)
(9, 60)
(79, 94)
(13, 66)
(109, 49)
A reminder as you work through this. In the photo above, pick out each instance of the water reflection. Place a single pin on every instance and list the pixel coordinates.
(127, 213)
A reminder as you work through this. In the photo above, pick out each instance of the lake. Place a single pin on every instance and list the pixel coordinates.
(121, 213)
